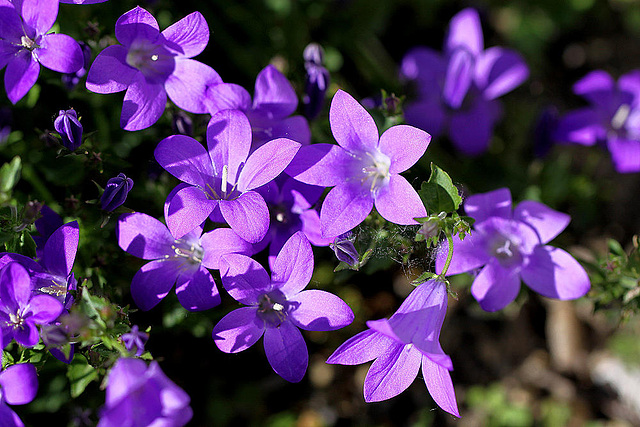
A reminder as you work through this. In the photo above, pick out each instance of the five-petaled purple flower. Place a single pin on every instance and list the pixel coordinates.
(141, 395)
(401, 344)
(18, 386)
(135, 340)
(278, 306)
(613, 118)
(25, 44)
(512, 245)
(69, 127)
(364, 168)
(20, 310)
(274, 101)
(457, 91)
(151, 65)
(223, 178)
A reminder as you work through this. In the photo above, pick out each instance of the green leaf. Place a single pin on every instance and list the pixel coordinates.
(439, 194)
(10, 175)
(80, 374)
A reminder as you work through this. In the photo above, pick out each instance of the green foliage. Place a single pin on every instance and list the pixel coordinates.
(439, 194)
(80, 373)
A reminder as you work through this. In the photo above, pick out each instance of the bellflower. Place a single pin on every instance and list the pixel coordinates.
(116, 191)
(18, 386)
(613, 118)
(20, 311)
(277, 307)
(68, 126)
(364, 168)
(273, 103)
(181, 261)
(403, 343)
(457, 90)
(221, 180)
(141, 395)
(25, 45)
(510, 246)
(152, 65)
(345, 250)
(316, 82)
(135, 340)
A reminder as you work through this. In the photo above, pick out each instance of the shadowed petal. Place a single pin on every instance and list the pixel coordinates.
(188, 208)
(495, 287)
(392, 373)
(352, 126)
(143, 104)
(625, 154)
(458, 78)
(598, 87)
(124, 377)
(45, 309)
(361, 348)
(266, 163)
(404, 145)
(492, 203)
(427, 114)
(325, 165)
(248, 215)
(20, 75)
(468, 254)
(465, 31)
(319, 311)
(345, 207)
(293, 267)
(60, 249)
(186, 159)
(153, 282)
(219, 242)
(471, 130)
(438, 382)
(143, 236)
(547, 223)
(243, 278)
(227, 96)
(60, 53)
(398, 202)
(196, 290)
(581, 126)
(554, 273)
(27, 334)
(499, 71)
(273, 93)
(295, 128)
(238, 330)
(286, 351)
(229, 141)
(424, 65)
(109, 72)
(39, 14)
(189, 36)
(187, 85)
(136, 24)
(19, 384)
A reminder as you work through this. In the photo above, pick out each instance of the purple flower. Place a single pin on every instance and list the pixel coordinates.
(400, 345)
(273, 102)
(512, 245)
(19, 386)
(457, 90)
(182, 261)
(316, 82)
(69, 128)
(151, 65)
(25, 45)
(135, 340)
(116, 191)
(82, 1)
(613, 118)
(141, 395)
(345, 250)
(20, 311)
(277, 307)
(364, 168)
(222, 179)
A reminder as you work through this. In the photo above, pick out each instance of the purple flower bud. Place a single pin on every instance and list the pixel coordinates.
(115, 193)
(316, 81)
(345, 250)
(69, 128)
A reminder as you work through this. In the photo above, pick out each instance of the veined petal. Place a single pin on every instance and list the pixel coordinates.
(222, 241)
(325, 165)
(188, 208)
(293, 267)
(581, 126)
(554, 273)
(286, 351)
(248, 215)
(229, 141)
(227, 96)
(398, 202)
(352, 126)
(404, 145)
(188, 84)
(144, 236)
(44, 308)
(361, 348)
(109, 72)
(244, 278)
(438, 382)
(465, 31)
(625, 154)
(492, 203)
(317, 310)
(238, 330)
(345, 207)
(189, 36)
(19, 384)
(60, 249)
(136, 24)
(499, 71)
(143, 104)
(186, 159)
(547, 223)
(495, 287)
(392, 373)
(15, 286)
(153, 282)
(273, 93)
(40, 14)
(468, 254)
(20, 76)
(266, 163)
(196, 290)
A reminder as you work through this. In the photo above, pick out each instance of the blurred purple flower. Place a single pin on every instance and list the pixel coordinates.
(19, 385)
(152, 65)
(69, 128)
(613, 118)
(510, 246)
(274, 101)
(364, 168)
(116, 191)
(316, 81)
(141, 395)
(401, 344)
(135, 340)
(71, 80)
(20, 311)
(25, 44)
(544, 130)
(457, 90)
(278, 306)
(222, 180)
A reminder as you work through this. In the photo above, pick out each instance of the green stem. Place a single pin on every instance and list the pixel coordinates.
(449, 256)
